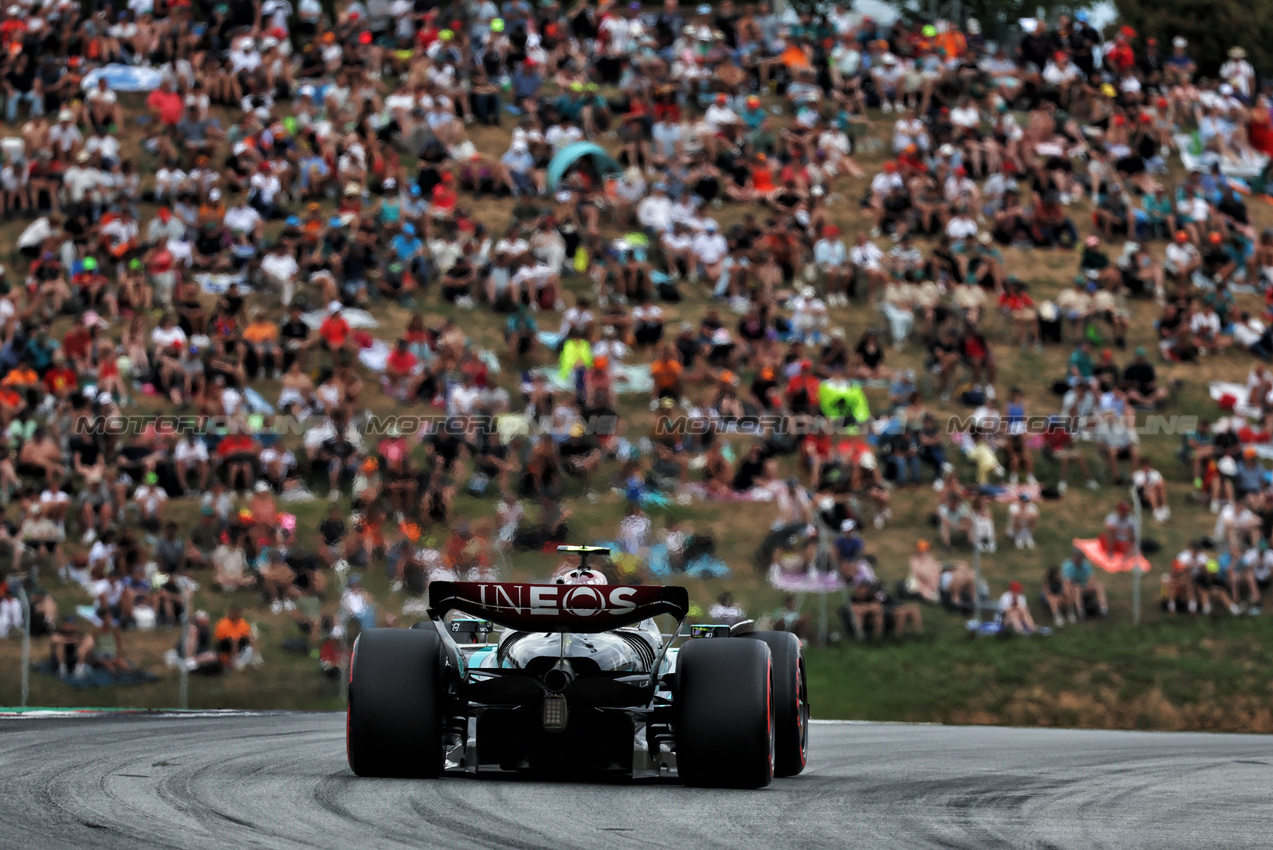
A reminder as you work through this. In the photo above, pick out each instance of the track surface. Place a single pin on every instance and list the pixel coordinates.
(280, 780)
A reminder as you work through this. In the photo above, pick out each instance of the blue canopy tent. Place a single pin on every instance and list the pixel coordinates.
(600, 161)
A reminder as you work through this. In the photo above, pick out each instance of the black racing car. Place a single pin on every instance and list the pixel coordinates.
(578, 680)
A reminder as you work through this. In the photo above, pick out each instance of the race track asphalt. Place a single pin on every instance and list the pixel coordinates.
(280, 780)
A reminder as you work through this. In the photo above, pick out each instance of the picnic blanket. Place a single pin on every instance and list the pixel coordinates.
(98, 678)
(1006, 494)
(1222, 391)
(130, 78)
(355, 317)
(1194, 157)
(624, 378)
(804, 582)
(217, 284)
(1095, 552)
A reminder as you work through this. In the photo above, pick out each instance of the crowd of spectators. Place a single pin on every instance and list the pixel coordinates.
(234, 245)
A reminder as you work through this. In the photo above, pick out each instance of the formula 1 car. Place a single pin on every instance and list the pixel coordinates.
(578, 680)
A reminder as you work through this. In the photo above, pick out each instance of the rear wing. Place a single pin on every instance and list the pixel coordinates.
(558, 607)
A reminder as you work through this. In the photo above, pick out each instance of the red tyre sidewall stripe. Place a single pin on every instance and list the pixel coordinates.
(800, 709)
(769, 716)
(349, 745)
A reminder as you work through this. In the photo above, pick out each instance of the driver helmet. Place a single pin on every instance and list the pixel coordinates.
(582, 576)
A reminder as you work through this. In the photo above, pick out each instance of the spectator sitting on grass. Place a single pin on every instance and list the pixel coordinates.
(234, 641)
(1054, 595)
(1151, 489)
(726, 610)
(1121, 531)
(924, 578)
(1023, 518)
(789, 619)
(954, 517)
(108, 647)
(1212, 583)
(1117, 441)
(1081, 585)
(357, 605)
(71, 649)
(1239, 568)
(230, 565)
(278, 583)
(197, 650)
(1014, 611)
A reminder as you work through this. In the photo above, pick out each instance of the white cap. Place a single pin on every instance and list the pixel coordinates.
(261, 487)
(848, 525)
(214, 195)
(104, 397)
(1226, 89)
(269, 42)
(1179, 41)
(333, 306)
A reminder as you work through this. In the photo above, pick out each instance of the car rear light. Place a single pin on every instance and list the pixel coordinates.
(554, 713)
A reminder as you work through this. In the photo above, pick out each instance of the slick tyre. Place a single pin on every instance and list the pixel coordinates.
(791, 702)
(725, 713)
(394, 718)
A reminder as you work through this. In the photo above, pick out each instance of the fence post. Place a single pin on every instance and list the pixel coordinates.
(1137, 572)
(26, 643)
(976, 588)
(183, 698)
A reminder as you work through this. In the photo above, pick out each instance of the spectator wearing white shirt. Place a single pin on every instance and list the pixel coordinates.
(655, 212)
(868, 260)
(1205, 328)
(709, 250)
(832, 261)
(1182, 259)
(808, 316)
(1151, 490)
(1238, 73)
(1014, 610)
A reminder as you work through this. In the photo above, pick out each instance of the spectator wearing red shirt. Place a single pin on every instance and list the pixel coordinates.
(1058, 442)
(400, 377)
(75, 344)
(237, 453)
(444, 196)
(802, 391)
(976, 353)
(61, 379)
(334, 330)
(166, 105)
(1016, 303)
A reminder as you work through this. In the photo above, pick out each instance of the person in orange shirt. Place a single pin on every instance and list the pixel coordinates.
(233, 638)
(264, 352)
(21, 377)
(666, 372)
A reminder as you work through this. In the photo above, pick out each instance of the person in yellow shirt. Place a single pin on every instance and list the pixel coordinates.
(264, 353)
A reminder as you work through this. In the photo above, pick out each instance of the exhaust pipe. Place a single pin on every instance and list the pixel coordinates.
(560, 677)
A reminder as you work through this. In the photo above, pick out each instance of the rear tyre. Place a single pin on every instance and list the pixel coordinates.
(791, 702)
(394, 718)
(724, 710)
